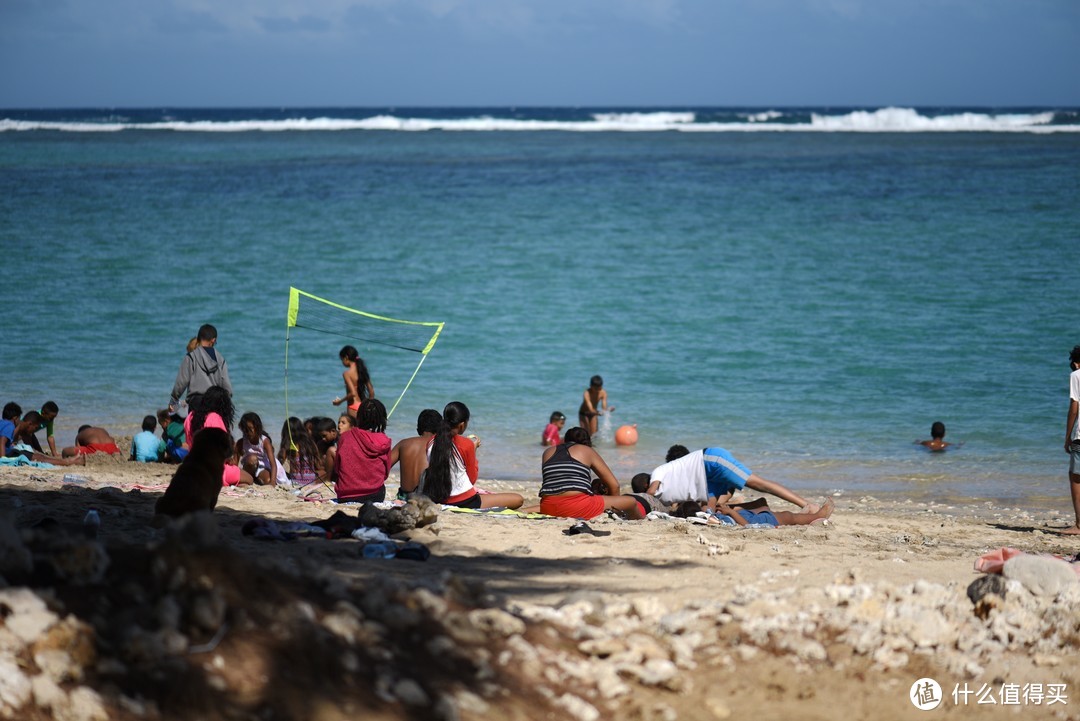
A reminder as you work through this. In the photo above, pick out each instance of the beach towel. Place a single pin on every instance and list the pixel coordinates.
(504, 512)
(23, 461)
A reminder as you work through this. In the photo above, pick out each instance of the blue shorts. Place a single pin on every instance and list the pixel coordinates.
(763, 517)
(723, 472)
(1074, 458)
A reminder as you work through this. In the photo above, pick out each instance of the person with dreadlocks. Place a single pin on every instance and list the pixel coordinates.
(363, 456)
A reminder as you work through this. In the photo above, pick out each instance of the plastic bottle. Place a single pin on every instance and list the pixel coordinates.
(91, 523)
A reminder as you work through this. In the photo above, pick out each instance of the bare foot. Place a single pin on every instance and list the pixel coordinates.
(79, 460)
(1070, 531)
(810, 508)
(826, 510)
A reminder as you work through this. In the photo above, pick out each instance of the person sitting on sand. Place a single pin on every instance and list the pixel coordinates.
(566, 489)
(215, 410)
(362, 461)
(550, 436)
(11, 415)
(24, 443)
(299, 454)
(146, 447)
(450, 478)
(937, 438)
(49, 411)
(172, 433)
(411, 453)
(254, 451)
(710, 476)
(91, 439)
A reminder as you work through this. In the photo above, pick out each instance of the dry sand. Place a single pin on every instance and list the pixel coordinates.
(512, 619)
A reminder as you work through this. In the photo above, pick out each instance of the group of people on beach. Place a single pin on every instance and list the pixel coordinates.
(18, 437)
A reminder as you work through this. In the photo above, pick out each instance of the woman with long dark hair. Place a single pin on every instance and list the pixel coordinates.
(452, 469)
(214, 409)
(358, 386)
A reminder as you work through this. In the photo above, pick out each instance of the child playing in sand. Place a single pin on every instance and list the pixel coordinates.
(172, 433)
(551, 431)
(49, 411)
(146, 447)
(299, 454)
(593, 405)
(17, 438)
(358, 386)
(937, 438)
(363, 456)
(452, 469)
(255, 451)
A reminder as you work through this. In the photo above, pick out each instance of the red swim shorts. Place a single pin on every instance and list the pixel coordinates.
(97, 448)
(573, 505)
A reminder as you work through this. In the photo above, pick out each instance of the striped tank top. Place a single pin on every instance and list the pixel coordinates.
(562, 473)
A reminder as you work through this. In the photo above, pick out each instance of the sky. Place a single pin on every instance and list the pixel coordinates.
(402, 53)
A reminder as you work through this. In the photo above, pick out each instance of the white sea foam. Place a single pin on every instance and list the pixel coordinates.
(884, 120)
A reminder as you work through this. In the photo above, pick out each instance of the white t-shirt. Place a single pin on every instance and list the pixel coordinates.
(1074, 395)
(682, 479)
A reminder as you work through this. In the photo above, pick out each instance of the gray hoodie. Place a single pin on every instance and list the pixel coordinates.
(200, 369)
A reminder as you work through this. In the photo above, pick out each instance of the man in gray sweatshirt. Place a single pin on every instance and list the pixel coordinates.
(201, 368)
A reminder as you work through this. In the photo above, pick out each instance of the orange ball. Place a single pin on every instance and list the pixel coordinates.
(626, 435)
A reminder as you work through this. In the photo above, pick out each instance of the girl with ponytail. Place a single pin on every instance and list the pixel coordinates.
(452, 469)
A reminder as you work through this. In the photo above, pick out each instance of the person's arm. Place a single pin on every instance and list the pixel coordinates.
(268, 448)
(224, 381)
(395, 454)
(132, 450)
(766, 486)
(732, 514)
(653, 488)
(237, 449)
(3, 446)
(711, 505)
(50, 439)
(468, 456)
(600, 468)
(603, 402)
(183, 377)
(370, 390)
(1070, 423)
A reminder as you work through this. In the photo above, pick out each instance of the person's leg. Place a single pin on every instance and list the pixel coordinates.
(787, 518)
(627, 504)
(77, 460)
(250, 464)
(766, 486)
(501, 500)
(1074, 491)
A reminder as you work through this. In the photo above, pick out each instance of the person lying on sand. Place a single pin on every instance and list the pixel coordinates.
(91, 439)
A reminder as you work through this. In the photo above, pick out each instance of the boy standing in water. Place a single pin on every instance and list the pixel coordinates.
(1072, 438)
(593, 404)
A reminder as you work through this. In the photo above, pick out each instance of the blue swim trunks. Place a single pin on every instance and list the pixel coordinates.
(723, 472)
(759, 517)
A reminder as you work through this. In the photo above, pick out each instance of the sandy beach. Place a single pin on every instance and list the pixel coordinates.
(510, 618)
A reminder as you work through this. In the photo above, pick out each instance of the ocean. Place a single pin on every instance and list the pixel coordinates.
(810, 288)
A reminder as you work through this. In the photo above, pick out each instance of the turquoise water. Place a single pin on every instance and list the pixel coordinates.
(810, 300)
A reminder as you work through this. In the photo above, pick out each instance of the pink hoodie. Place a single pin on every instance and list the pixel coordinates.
(363, 463)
